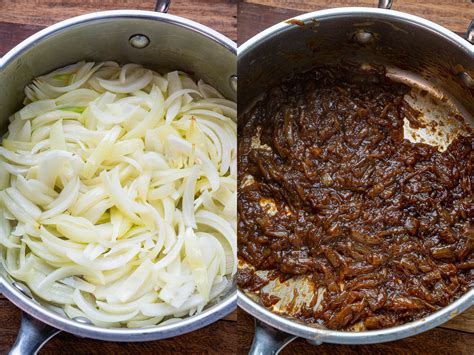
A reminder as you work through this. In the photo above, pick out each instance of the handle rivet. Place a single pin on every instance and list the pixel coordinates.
(139, 41)
(315, 342)
(364, 37)
(233, 82)
(466, 79)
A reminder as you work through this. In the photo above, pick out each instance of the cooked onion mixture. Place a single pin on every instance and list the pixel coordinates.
(118, 190)
(330, 189)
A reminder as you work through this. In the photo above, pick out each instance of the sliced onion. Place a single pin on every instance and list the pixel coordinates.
(118, 193)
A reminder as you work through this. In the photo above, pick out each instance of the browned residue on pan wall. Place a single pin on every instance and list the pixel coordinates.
(295, 21)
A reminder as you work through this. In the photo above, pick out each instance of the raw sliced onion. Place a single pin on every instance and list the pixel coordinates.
(118, 193)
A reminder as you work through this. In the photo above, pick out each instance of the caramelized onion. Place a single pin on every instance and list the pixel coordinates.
(383, 224)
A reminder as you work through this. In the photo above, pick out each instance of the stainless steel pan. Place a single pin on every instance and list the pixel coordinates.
(156, 40)
(415, 51)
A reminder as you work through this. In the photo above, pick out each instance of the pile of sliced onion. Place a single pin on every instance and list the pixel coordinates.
(118, 197)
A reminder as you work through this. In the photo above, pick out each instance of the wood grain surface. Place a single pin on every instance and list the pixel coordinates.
(454, 337)
(19, 20)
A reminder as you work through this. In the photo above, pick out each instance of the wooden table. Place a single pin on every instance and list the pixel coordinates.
(20, 19)
(454, 337)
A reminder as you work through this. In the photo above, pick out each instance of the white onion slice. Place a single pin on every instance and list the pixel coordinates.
(118, 193)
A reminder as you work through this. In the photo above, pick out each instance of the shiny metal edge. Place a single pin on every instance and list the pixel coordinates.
(356, 12)
(208, 316)
(364, 337)
(110, 15)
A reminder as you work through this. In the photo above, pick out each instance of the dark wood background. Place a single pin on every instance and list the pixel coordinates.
(20, 19)
(454, 337)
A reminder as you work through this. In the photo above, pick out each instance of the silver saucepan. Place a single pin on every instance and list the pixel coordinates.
(156, 40)
(415, 51)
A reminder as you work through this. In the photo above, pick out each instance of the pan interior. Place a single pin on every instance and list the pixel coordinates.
(175, 44)
(443, 119)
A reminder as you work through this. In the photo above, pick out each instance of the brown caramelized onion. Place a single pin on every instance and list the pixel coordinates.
(383, 223)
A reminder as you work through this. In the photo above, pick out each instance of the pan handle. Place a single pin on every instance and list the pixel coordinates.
(32, 336)
(162, 5)
(385, 4)
(269, 341)
(470, 32)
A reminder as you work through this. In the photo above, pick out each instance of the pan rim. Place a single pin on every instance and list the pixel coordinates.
(317, 335)
(350, 337)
